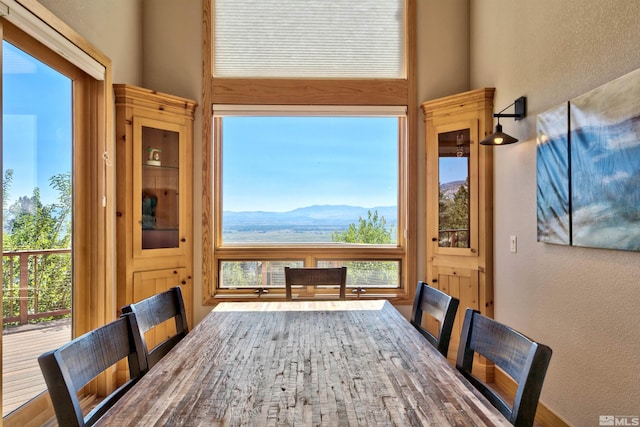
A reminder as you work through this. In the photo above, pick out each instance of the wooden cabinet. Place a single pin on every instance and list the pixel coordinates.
(154, 134)
(151, 282)
(459, 240)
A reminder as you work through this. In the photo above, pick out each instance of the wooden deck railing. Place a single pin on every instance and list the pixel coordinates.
(454, 238)
(36, 284)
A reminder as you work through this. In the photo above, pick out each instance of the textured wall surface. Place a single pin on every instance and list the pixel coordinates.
(112, 26)
(581, 302)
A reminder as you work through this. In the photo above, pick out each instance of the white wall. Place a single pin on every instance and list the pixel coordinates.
(172, 47)
(112, 26)
(581, 302)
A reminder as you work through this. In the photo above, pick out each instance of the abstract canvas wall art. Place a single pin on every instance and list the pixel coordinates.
(605, 165)
(552, 169)
(588, 168)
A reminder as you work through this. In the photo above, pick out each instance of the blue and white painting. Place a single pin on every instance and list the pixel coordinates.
(605, 165)
(552, 170)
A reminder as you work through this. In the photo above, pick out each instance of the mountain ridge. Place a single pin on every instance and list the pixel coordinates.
(309, 215)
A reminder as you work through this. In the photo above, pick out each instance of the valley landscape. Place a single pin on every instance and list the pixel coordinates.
(311, 224)
(308, 224)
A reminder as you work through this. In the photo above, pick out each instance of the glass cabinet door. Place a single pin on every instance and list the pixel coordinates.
(459, 203)
(157, 154)
(457, 189)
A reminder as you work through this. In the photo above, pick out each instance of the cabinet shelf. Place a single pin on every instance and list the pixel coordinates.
(160, 238)
(162, 167)
(160, 229)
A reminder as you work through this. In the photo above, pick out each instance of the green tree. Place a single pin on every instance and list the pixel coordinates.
(444, 210)
(63, 209)
(454, 215)
(33, 225)
(372, 230)
(239, 274)
(460, 208)
(6, 186)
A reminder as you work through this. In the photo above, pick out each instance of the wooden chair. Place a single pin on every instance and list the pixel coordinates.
(440, 306)
(155, 310)
(70, 367)
(313, 278)
(521, 358)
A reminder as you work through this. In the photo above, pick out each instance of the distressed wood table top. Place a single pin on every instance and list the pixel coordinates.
(333, 363)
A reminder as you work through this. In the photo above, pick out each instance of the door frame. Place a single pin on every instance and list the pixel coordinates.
(94, 195)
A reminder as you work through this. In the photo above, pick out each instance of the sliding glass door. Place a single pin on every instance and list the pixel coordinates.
(37, 153)
(58, 216)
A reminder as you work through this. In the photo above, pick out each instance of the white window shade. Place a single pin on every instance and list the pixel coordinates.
(309, 38)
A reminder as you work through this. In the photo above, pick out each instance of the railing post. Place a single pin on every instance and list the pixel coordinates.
(24, 288)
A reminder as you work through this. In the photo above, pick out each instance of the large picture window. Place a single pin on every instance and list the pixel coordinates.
(309, 179)
(309, 154)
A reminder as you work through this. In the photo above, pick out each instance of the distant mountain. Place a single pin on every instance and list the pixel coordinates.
(450, 188)
(317, 216)
(344, 211)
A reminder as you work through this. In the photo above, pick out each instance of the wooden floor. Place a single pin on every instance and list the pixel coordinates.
(21, 346)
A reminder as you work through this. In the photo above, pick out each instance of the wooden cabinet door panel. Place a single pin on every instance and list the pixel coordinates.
(461, 283)
(149, 283)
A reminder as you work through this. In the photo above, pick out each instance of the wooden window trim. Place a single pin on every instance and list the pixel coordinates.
(309, 91)
(305, 92)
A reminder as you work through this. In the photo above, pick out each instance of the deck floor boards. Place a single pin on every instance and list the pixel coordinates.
(21, 346)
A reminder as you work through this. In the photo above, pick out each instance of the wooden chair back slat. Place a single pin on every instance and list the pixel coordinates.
(524, 360)
(441, 307)
(155, 310)
(69, 368)
(316, 277)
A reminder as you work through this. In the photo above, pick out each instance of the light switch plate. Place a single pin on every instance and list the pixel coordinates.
(513, 244)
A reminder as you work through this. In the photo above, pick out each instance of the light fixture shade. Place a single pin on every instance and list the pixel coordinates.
(498, 138)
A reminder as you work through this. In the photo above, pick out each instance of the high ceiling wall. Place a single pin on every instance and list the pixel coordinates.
(583, 303)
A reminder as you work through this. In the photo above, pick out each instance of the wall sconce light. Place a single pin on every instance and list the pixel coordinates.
(499, 137)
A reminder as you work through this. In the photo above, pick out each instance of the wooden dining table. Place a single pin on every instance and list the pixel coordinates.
(312, 363)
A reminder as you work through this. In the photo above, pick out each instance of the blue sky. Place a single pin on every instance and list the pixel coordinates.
(317, 160)
(452, 169)
(37, 126)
